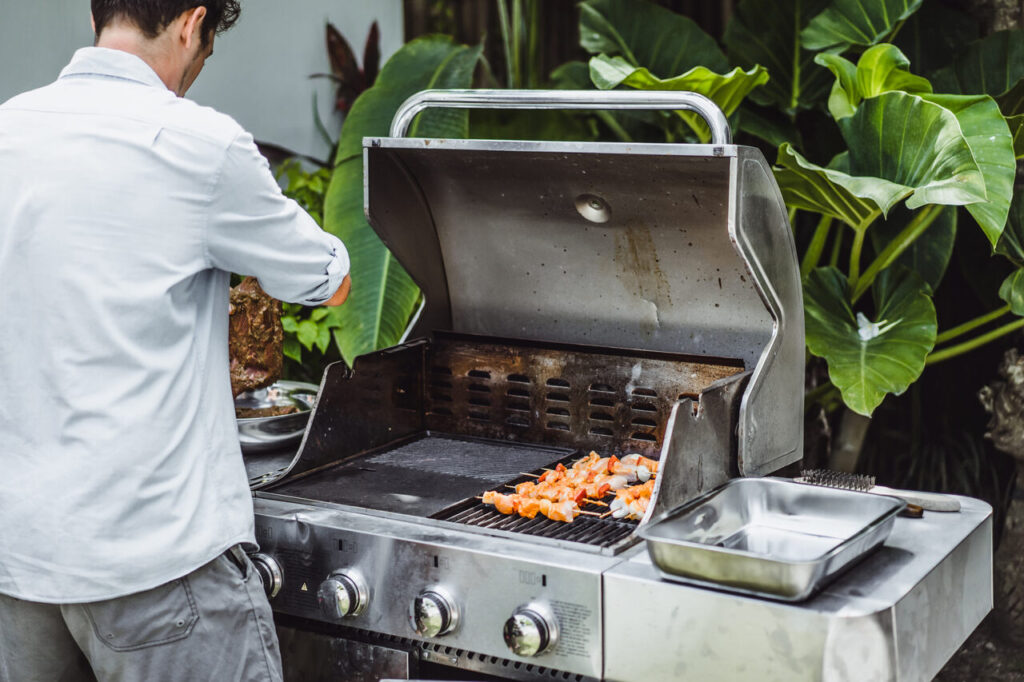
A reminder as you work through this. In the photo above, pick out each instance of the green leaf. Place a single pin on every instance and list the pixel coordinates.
(648, 35)
(933, 34)
(769, 124)
(1016, 126)
(319, 314)
(767, 32)
(307, 333)
(992, 66)
(727, 91)
(289, 323)
(855, 22)
(1012, 291)
(882, 68)
(810, 187)
(323, 337)
(991, 143)
(292, 349)
(383, 295)
(914, 144)
(869, 359)
(929, 254)
(1011, 241)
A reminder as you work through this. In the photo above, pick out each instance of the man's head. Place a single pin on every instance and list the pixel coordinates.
(174, 36)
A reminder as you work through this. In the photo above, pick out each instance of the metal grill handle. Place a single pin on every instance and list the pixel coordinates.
(564, 99)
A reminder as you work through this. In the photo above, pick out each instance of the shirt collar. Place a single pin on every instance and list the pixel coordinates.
(102, 61)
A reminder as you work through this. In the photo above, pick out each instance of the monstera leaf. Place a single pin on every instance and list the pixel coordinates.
(929, 257)
(855, 22)
(767, 32)
(383, 295)
(645, 34)
(727, 91)
(868, 359)
(881, 68)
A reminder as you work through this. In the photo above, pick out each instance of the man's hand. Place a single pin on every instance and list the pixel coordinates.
(342, 293)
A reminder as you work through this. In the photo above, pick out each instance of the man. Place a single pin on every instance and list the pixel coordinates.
(123, 496)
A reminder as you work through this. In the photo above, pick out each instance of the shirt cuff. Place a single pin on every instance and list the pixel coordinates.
(337, 268)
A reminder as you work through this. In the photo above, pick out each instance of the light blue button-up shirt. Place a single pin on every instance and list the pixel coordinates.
(122, 210)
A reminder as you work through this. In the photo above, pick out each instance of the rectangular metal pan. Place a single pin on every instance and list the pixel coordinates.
(769, 537)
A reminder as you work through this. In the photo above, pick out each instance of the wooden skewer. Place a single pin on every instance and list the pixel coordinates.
(597, 514)
(607, 513)
(524, 473)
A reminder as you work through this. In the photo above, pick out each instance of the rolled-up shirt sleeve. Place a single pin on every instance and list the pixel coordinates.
(255, 230)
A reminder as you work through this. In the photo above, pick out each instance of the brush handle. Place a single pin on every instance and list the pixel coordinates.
(929, 501)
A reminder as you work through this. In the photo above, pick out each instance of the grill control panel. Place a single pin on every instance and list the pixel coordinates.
(343, 594)
(501, 599)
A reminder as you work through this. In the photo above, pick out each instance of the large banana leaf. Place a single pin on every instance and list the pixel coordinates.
(645, 34)
(383, 295)
(928, 257)
(725, 90)
(869, 359)
(855, 22)
(767, 32)
(882, 68)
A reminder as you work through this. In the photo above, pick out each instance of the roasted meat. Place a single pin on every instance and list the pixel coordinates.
(255, 337)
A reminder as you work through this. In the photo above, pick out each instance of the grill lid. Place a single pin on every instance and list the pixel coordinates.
(677, 248)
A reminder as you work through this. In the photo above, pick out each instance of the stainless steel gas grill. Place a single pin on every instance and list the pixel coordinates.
(620, 298)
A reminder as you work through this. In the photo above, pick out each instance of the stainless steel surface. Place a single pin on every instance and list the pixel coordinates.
(343, 594)
(769, 537)
(269, 572)
(696, 257)
(488, 578)
(265, 434)
(319, 657)
(434, 613)
(897, 616)
(531, 630)
(564, 99)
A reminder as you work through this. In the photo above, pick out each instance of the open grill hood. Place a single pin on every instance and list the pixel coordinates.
(659, 247)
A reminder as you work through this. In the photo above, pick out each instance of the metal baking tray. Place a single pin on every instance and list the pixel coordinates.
(769, 537)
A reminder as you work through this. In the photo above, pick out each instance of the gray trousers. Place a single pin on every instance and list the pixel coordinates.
(213, 624)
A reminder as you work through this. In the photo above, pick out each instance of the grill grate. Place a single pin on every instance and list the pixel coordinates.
(589, 530)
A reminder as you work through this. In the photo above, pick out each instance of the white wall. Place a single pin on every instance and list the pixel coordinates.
(259, 72)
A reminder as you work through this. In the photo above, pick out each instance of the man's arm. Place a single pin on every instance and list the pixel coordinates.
(255, 230)
(342, 293)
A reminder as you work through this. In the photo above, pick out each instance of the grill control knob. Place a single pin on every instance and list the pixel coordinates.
(343, 594)
(531, 631)
(270, 573)
(433, 613)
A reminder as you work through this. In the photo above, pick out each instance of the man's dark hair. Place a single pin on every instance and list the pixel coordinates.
(153, 16)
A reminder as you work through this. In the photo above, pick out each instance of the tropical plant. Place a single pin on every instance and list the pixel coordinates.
(383, 296)
(304, 327)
